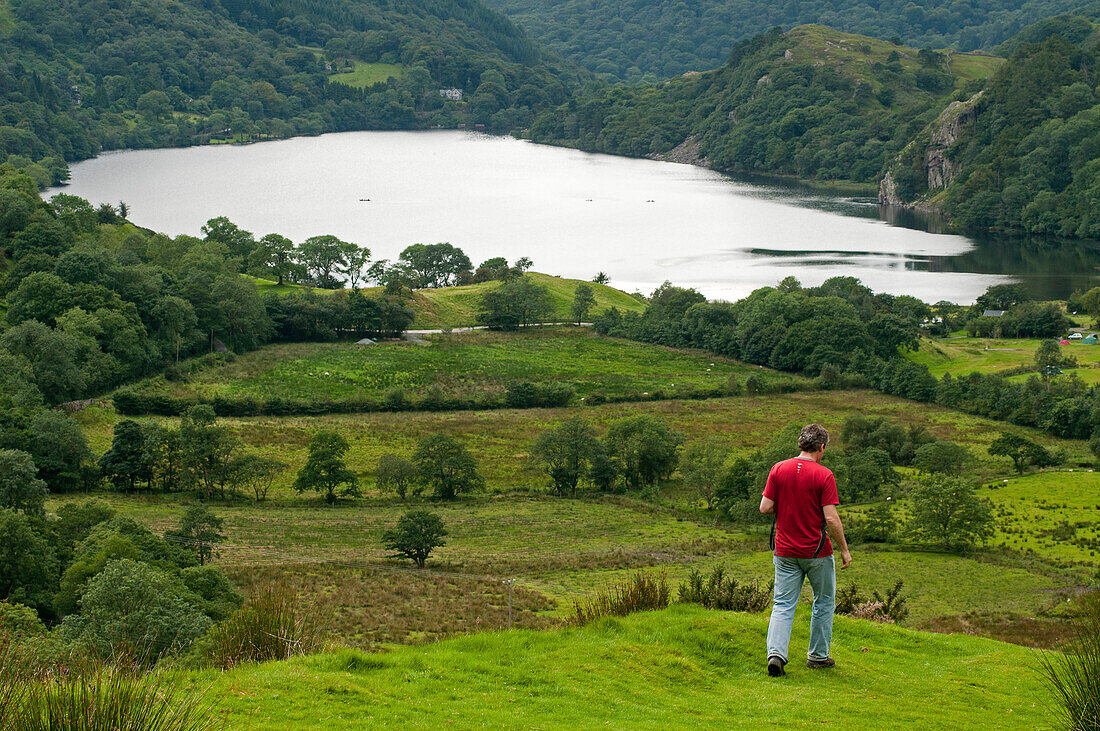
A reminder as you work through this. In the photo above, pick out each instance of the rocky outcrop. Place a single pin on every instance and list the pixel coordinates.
(888, 191)
(687, 152)
(942, 170)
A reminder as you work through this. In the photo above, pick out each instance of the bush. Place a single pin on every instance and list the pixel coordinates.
(641, 593)
(889, 609)
(1075, 675)
(272, 625)
(719, 591)
(526, 395)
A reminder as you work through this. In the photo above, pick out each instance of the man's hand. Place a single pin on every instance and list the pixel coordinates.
(845, 559)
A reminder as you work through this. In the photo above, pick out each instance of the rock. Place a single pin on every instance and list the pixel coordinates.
(687, 152)
(945, 132)
(888, 191)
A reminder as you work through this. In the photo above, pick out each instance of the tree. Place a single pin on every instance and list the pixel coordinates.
(644, 448)
(20, 489)
(518, 303)
(325, 471)
(257, 472)
(1022, 451)
(880, 524)
(125, 462)
(28, 564)
(566, 453)
(275, 254)
(417, 534)
(1048, 357)
(59, 449)
(200, 529)
(236, 240)
(583, 302)
(703, 466)
(446, 466)
(601, 278)
(435, 265)
(325, 257)
(397, 475)
(947, 513)
(356, 258)
(207, 449)
(942, 457)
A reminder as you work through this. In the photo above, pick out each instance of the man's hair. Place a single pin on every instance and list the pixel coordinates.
(813, 438)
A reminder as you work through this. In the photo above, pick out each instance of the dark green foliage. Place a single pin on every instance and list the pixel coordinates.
(28, 563)
(125, 463)
(641, 593)
(567, 453)
(947, 514)
(941, 457)
(515, 304)
(435, 265)
(416, 535)
(20, 489)
(719, 591)
(199, 531)
(398, 475)
(1022, 451)
(549, 394)
(644, 449)
(325, 470)
(133, 608)
(703, 467)
(631, 40)
(446, 466)
(219, 598)
(879, 525)
(860, 432)
(60, 450)
(583, 302)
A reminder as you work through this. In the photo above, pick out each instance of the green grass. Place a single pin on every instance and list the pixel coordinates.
(682, 667)
(972, 66)
(961, 356)
(1055, 514)
(449, 307)
(474, 365)
(366, 74)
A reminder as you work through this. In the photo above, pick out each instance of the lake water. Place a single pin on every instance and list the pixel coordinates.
(573, 213)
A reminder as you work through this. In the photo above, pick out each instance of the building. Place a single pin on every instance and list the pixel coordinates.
(454, 95)
(993, 313)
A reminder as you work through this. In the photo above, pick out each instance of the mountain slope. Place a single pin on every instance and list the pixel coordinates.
(811, 102)
(627, 39)
(679, 668)
(77, 76)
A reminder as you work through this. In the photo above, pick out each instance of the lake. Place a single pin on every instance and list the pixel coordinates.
(573, 213)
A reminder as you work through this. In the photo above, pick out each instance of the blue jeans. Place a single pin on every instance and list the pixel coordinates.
(790, 573)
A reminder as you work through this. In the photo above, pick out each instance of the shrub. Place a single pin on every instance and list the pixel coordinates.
(890, 609)
(18, 621)
(641, 593)
(273, 624)
(1075, 675)
(719, 591)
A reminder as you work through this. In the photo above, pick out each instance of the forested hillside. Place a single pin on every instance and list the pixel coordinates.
(78, 77)
(810, 102)
(1026, 155)
(627, 39)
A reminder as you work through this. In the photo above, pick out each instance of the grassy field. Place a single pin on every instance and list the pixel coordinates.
(968, 67)
(449, 307)
(1055, 514)
(960, 356)
(477, 365)
(365, 74)
(679, 668)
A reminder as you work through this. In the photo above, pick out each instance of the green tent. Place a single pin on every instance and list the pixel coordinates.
(1091, 339)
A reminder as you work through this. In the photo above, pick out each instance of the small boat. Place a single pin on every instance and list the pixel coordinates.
(364, 200)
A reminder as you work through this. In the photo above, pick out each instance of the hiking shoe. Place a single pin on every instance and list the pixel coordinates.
(775, 666)
(813, 664)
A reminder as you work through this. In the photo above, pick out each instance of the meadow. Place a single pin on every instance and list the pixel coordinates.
(677, 668)
(365, 74)
(962, 355)
(476, 366)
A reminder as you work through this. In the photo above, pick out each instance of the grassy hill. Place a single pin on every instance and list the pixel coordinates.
(960, 356)
(678, 668)
(449, 307)
(812, 102)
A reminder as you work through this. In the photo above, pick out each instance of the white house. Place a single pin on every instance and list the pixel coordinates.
(454, 95)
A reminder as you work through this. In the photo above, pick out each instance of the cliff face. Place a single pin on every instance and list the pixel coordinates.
(945, 132)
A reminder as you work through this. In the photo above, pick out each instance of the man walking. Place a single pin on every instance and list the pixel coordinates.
(801, 493)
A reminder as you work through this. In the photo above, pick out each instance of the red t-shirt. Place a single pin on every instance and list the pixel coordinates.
(800, 487)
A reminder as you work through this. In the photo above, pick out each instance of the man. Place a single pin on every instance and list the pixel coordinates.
(801, 493)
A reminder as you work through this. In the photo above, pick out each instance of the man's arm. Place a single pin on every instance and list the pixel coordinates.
(767, 505)
(836, 532)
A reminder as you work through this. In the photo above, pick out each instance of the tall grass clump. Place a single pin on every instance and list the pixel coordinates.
(1075, 676)
(719, 591)
(641, 593)
(273, 624)
(14, 678)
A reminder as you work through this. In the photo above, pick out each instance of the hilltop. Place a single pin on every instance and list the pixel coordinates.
(679, 667)
(450, 307)
(812, 102)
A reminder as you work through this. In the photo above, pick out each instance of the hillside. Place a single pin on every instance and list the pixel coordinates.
(680, 667)
(78, 77)
(630, 39)
(812, 102)
(1022, 156)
